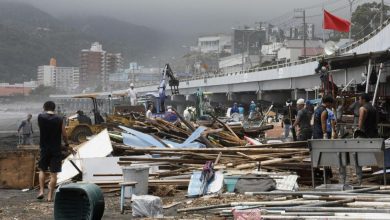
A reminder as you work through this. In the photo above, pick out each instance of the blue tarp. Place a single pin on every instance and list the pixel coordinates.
(135, 138)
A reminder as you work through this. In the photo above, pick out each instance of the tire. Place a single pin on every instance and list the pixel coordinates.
(80, 134)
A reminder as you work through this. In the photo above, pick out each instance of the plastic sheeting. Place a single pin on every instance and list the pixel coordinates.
(147, 206)
(135, 138)
(194, 188)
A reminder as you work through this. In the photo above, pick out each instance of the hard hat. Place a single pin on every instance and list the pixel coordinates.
(131, 84)
(300, 102)
(253, 102)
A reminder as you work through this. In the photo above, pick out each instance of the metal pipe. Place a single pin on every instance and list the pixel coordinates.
(377, 84)
(332, 203)
(315, 193)
(368, 74)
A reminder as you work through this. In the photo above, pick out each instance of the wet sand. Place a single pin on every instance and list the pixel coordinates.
(11, 115)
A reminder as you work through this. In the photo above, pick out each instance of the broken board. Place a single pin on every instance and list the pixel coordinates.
(17, 169)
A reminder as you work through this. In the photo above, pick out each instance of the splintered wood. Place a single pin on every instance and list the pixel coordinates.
(239, 158)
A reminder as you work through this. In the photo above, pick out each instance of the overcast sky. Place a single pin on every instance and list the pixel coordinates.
(193, 16)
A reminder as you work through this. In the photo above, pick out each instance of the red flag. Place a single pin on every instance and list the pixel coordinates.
(335, 23)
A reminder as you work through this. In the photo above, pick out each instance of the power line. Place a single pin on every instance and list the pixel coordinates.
(288, 15)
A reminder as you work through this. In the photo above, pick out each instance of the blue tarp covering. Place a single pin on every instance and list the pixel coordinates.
(135, 138)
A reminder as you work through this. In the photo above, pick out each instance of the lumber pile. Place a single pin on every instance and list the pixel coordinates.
(365, 202)
(267, 157)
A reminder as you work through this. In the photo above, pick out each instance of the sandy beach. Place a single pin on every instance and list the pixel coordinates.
(11, 115)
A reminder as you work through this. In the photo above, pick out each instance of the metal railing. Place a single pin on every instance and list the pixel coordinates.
(292, 63)
(303, 61)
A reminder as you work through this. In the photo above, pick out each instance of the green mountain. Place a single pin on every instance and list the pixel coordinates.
(29, 37)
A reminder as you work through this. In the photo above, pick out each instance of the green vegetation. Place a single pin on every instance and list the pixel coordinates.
(29, 37)
(366, 18)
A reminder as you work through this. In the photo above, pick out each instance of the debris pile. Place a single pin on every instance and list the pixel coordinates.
(189, 170)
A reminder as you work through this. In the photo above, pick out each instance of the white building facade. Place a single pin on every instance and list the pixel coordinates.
(46, 75)
(62, 78)
(213, 44)
(67, 78)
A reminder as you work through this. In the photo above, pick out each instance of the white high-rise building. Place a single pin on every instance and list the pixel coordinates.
(46, 75)
(62, 78)
(67, 78)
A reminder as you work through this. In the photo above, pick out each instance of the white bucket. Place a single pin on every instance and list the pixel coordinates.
(139, 174)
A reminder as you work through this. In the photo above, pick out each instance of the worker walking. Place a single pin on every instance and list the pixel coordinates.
(51, 128)
(252, 109)
(303, 121)
(320, 118)
(27, 131)
(288, 116)
(132, 95)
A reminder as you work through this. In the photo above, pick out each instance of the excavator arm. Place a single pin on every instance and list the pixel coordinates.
(173, 82)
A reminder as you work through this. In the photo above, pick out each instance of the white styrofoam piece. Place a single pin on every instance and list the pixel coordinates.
(98, 146)
(101, 165)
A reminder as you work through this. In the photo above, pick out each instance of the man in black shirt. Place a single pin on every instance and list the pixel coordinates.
(51, 128)
(368, 117)
(303, 121)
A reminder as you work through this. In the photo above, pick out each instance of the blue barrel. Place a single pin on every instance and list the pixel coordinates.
(79, 201)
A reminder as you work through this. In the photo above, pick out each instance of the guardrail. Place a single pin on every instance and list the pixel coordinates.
(298, 62)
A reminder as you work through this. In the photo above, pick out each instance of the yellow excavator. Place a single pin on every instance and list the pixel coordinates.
(80, 126)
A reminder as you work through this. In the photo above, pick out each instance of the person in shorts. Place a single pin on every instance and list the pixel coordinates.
(51, 128)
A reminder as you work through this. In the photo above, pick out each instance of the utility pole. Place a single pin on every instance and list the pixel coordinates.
(350, 19)
(304, 28)
(242, 51)
(382, 12)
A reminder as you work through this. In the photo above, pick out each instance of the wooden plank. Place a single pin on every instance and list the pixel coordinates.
(231, 150)
(202, 138)
(17, 169)
(172, 160)
(218, 158)
(226, 127)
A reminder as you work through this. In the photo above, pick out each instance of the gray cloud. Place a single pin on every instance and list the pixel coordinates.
(188, 16)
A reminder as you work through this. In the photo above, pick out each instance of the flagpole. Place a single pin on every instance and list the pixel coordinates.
(323, 30)
(350, 19)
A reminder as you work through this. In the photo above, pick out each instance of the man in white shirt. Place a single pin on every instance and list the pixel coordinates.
(132, 94)
(187, 114)
(149, 114)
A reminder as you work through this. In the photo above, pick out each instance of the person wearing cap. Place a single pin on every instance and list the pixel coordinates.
(187, 114)
(303, 121)
(252, 109)
(170, 115)
(234, 109)
(132, 94)
(288, 115)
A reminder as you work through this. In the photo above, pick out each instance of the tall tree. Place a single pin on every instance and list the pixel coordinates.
(366, 18)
